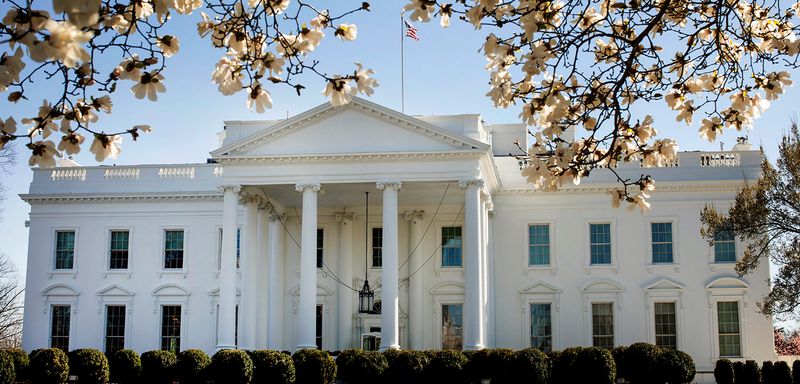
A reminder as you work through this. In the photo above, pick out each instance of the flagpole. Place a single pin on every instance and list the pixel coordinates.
(402, 65)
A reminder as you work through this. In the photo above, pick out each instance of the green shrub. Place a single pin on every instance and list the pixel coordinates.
(532, 366)
(231, 366)
(391, 354)
(766, 372)
(191, 366)
(738, 371)
(796, 372)
(407, 367)
(21, 362)
(313, 366)
(89, 365)
(158, 366)
(479, 365)
(7, 374)
(595, 365)
(750, 373)
(354, 366)
(619, 359)
(48, 366)
(272, 367)
(675, 367)
(640, 360)
(723, 372)
(781, 374)
(446, 366)
(562, 365)
(126, 366)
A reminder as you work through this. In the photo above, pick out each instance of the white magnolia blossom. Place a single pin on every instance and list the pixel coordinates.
(10, 68)
(421, 10)
(9, 126)
(260, 98)
(43, 154)
(339, 91)
(169, 45)
(710, 128)
(273, 7)
(185, 7)
(228, 76)
(128, 69)
(65, 44)
(364, 82)
(71, 143)
(347, 32)
(105, 146)
(149, 85)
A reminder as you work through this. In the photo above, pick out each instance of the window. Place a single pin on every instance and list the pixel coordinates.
(173, 249)
(600, 243)
(65, 249)
(451, 246)
(730, 343)
(539, 244)
(541, 327)
(666, 325)
(171, 328)
(724, 247)
(319, 327)
(452, 326)
(115, 328)
(661, 236)
(603, 325)
(238, 247)
(377, 247)
(59, 327)
(320, 246)
(118, 254)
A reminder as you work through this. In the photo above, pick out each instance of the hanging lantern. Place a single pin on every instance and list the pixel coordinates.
(366, 298)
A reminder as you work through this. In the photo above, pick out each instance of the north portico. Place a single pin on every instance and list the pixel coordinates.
(406, 163)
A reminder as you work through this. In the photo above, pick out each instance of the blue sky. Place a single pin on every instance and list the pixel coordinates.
(444, 75)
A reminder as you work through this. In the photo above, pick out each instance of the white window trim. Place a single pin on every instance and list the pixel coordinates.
(664, 291)
(675, 264)
(438, 268)
(602, 291)
(213, 296)
(541, 293)
(329, 330)
(114, 295)
(64, 272)
(170, 294)
(181, 272)
(60, 294)
(728, 289)
(714, 266)
(526, 266)
(448, 292)
(218, 252)
(369, 245)
(123, 272)
(614, 265)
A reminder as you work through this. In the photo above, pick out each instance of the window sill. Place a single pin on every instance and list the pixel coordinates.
(117, 272)
(722, 266)
(601, 267)
(661, 266)
(540, 268)
(438, 270)
(176, 272)
(64, 272)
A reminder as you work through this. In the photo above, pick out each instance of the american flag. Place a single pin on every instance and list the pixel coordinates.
(410, 30)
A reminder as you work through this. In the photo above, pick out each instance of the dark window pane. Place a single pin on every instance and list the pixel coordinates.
(59, 327)
(600, 243)
(171, 328)
(173, 249)
(452, 326)
(377, 247)
(65, 249)
(661, 239)
(320, 246)
(541, 327)
(539, 244)
(666, 325)
(451, 246)
(115, 328)
(730, 343)
(603, 325)
(319, 327)
(118, 258)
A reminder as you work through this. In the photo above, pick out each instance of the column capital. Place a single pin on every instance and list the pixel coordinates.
(274, 216)
(229, 187)
(300, 187)
(250, 199)
(464, 183)
(396, 185)
(413, 215)
(345, 216)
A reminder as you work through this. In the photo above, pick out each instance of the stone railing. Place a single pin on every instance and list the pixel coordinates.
(685, 159)
(176, 172)
(721, 159)
(121, 173)
(68, 174)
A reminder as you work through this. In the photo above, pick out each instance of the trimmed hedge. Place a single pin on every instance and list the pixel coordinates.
(675, 367)
(231, 366)
(562, 364)
(532, 366)
(750, 373)
(48, 366)
(766, 372)
(272, 367)
(354, 366)
(781, 374)
(407, 367)
(313, 366)
(191, 366)
(90, 365)
(619, 359)
(7, 375)
(640, 362)
(21, 362)
(796, 372)
(723, 372)
(158, 366)
(595, 366)
(126, 366)
(446, 366)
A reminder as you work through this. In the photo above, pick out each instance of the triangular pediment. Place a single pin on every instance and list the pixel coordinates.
(540, 287)
(359, 127)
(665, 285)
(114, 290)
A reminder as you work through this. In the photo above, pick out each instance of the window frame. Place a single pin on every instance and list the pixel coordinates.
(614, 263)
(676, 313)
(675, 264)
(324, 248)
(218, 242)
(440, 250)
(181, 330)
(214, 299)
(728, 289)
(737, 251)
(602, 291)
(372, 246)
(162, 249)
(614, 321)
(537, 293)
(528, 267)
(64, 271)
(170, 294)
(440, 324)
(739, 323)
(662, 291)
(553, 311)
(71, 310)
(447, 292)
(108, 269)
(125, 326)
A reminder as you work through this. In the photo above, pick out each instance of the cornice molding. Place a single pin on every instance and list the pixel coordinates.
(53, 198)
(606, 188)
(470, 154)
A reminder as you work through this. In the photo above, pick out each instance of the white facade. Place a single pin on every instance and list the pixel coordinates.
(278, 182)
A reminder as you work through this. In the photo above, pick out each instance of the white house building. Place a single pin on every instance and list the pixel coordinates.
(267, 244)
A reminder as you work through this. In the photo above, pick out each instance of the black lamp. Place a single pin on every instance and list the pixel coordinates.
(366, 296)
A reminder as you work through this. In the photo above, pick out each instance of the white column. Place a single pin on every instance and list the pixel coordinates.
(485, 206)
(489, 273)
(261, 280)
(276, 278)
(415, 293)
(345, 274)
(473, 314)
(390, 304)
(306, 309)
(249, 244)
(227, 276)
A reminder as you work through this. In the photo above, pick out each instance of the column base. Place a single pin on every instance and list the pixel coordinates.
(224, 346)
(392, 346)
(476, 347)
(305, 346)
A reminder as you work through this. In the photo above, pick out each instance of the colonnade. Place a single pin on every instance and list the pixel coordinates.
(262, 250)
